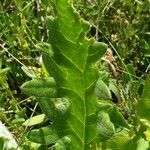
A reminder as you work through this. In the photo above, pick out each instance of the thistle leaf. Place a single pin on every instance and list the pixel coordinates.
(70, 60)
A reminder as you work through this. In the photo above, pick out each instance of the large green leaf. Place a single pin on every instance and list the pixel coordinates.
(70, 59)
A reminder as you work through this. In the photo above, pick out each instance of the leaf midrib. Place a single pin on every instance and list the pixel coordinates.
(83, 98)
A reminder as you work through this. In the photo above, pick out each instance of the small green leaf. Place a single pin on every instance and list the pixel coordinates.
(45, 135)
(40, 88)
(115, 116)
(102, 91)
(18, 121)
(34, 120)
(105, 126)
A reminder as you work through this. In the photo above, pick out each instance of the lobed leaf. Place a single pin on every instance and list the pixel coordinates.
(70, 59)
(40, 88)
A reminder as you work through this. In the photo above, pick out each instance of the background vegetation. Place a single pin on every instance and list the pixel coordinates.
(122, 24)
